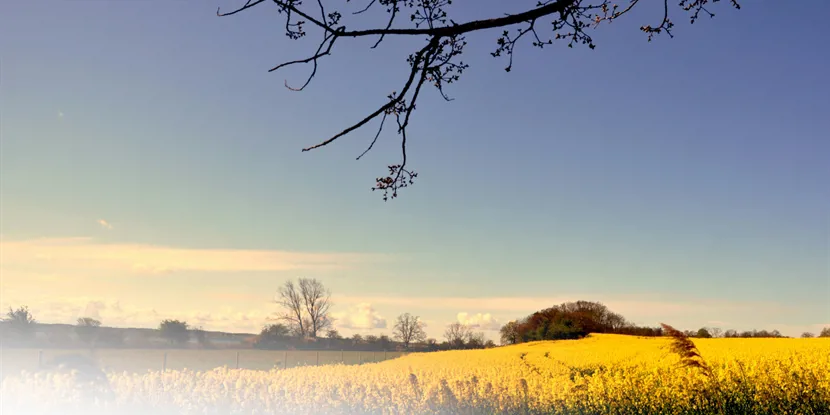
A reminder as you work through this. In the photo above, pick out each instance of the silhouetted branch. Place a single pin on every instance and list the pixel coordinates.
(317, 55)
(665, 24)
(247, 5)
(393, 98)
(437, 62)
(368, 6)
(372, 144)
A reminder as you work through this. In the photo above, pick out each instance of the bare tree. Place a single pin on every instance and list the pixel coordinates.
(317, 301)
(438, 62)
(614, 321)
(306, 306)
(807, 335)
(409, 329)
(457, 334)
(289, 297)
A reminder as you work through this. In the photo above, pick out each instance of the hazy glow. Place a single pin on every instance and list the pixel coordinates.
(86, 254)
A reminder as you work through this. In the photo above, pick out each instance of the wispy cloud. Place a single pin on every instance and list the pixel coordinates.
(104, 224)
(60, 114)
(84, 254)
(360, 317)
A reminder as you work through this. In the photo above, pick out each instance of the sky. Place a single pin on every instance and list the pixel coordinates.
(150, 168)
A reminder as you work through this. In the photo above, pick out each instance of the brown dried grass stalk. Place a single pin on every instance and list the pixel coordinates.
(686, 349)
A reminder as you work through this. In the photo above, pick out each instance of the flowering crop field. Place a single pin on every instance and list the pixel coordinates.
(141, 360)
(602, 374)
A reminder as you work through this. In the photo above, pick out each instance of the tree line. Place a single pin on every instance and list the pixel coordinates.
(305, 323)
(575, 320)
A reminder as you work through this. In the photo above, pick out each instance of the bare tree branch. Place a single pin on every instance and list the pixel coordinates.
(456, 334)
(317, 302)
(317, 55)
(437, 62)
(247, 5)
(306, 306)
(409, 329)
(393, 98)
(374, 140)
(290, 299)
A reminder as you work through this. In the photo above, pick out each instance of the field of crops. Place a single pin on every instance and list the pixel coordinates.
(141, 360)
(603, 374)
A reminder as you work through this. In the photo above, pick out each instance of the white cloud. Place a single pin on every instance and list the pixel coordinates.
(104, 224)
(60, 114)
(360, 317)
(479, 321)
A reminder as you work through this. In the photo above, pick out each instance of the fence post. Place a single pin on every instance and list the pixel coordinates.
(237, 359)
(360, 358)
(343, 361)
(164, 364)
(40, 359)
(385, 355)
(318, 359)
(285, 359)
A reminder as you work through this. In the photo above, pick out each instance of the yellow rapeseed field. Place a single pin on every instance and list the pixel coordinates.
(602, 374)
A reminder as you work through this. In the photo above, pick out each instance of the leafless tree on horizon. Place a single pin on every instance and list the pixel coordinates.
(306, 306)
(457, 333)
(290, 299)
(317, 300)
(409, 329)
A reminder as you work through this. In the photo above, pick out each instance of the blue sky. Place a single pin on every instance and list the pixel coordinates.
(683, 180)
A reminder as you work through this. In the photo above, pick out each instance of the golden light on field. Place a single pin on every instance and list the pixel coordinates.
(600, 374)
